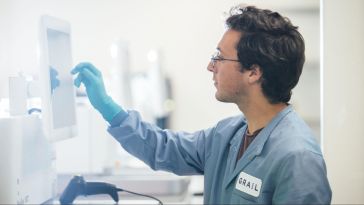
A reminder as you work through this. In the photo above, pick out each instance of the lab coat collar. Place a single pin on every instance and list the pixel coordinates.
(255, 148)
(236, 138)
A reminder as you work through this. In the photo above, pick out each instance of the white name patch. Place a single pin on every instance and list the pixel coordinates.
(248, 184)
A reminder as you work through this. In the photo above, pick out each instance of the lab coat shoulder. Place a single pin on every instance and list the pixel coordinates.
(301, 176)
(293, 135)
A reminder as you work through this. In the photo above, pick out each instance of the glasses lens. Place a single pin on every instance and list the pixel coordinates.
(215, 55)
(215, 58)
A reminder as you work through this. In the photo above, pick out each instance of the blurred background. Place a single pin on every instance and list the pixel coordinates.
(174, 40)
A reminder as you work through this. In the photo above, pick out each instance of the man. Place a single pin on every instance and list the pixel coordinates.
(268, 154)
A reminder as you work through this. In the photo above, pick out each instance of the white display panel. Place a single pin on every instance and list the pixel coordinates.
(58, 92)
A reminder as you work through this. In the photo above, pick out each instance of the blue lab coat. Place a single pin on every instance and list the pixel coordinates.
(283, 165)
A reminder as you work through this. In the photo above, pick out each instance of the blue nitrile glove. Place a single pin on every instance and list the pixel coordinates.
(53, 73)
(92, 79)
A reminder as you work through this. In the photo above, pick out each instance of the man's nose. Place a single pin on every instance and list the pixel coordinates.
(210, 67)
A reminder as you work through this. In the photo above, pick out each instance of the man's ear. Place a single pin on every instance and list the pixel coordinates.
(255, 73)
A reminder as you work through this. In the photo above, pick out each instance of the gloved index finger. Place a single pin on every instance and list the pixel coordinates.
(78, 68)
(87, 66)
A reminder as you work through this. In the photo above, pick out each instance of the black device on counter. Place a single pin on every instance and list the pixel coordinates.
(78, 186)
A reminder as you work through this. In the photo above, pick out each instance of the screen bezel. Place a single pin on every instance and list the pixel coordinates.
(52, 134)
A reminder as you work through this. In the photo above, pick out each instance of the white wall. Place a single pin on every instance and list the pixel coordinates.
(187, 33)
(343, 98)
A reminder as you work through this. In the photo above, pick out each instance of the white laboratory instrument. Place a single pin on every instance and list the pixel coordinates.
(27, 174)
(27, 154)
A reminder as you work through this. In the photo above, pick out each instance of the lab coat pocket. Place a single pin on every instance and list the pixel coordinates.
(239, 197)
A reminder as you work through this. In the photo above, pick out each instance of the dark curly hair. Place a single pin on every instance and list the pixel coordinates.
(274, 44)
